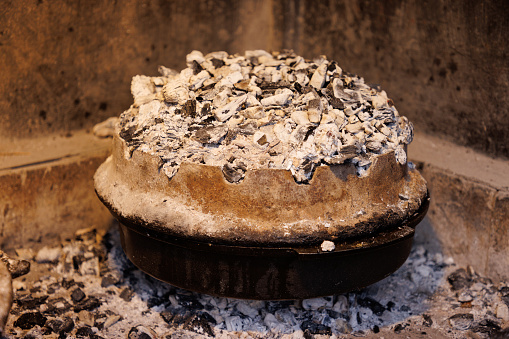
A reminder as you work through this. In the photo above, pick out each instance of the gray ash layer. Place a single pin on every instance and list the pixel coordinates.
(262, 110)
(91, 290)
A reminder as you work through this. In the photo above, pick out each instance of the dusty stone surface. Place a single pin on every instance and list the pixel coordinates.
(463, 161)
(477, 219)
(470, 193)
(46, 189)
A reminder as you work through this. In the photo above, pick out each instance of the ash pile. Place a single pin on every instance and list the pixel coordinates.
(262, 110)
(87, 288)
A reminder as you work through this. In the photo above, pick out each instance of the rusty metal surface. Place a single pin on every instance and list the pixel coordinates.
(267, 207)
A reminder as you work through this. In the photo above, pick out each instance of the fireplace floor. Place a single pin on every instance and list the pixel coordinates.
(87, 288)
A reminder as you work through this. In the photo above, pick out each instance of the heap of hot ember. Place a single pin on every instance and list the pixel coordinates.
(262, 110)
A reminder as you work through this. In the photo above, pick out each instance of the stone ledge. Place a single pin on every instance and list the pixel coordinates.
(47, 191)
(469, 210)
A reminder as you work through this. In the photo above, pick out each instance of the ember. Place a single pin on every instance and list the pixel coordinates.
(57, 299)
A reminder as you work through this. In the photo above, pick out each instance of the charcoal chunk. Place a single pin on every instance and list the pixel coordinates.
(189, 109)
(459, 279)
(68, 283)
(427, 320)
(77, 295)
(176, 318)
(141, 332)
(461, 321)
(167, 316)
(60, 326)
(52, 288)
(108, 280)
(200, 323)
(77, 260)
(189, 301)
(217, 63)
(29, 303)
(230, 136)
(54, 325)
(156, 301)
(486, 326)
(273, 306)
(205, 110)
(196, 67)
(314, 328)
(210, 134)
(84, 332)
(128, 134)
(67, 325)
(372, 304)
(400, 327)
(206, 316)
(28, 320)
(298, 87)
(232, 174)
(57, 306)
(87, 304)
(127, 294)
(337, 103)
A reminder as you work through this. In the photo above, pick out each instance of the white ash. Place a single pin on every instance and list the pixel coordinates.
(327, 246)
(47, 254)
(262, 110)
(106, 128)
(116, 300)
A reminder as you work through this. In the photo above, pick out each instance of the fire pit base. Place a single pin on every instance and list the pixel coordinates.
(268, 273)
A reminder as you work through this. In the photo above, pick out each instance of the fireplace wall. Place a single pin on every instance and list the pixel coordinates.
(67, 66)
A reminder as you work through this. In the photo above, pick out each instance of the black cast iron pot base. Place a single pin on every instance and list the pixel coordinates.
(268, 273)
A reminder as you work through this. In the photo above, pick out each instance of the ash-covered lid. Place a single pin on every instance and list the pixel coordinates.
(262, 110)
